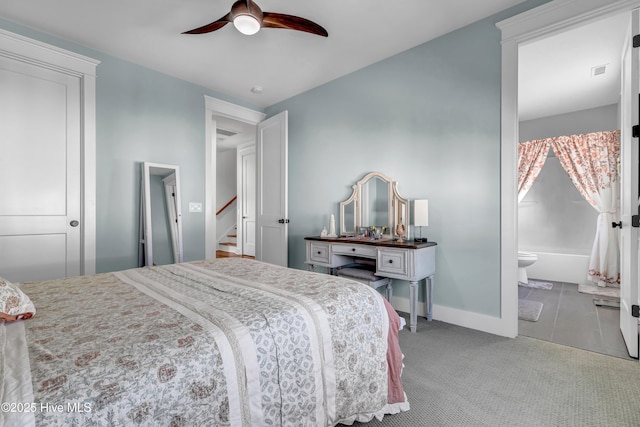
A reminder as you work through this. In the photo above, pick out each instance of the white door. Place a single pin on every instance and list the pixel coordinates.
(40, 227)
(272, 175)
(247, 207)
(629, 262)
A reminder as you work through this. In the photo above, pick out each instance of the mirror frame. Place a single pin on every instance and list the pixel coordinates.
(145, 255)
(398, 206)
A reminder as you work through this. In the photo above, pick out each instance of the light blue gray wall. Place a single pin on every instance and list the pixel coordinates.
(141, 115)
(430, 119)
(553, 217)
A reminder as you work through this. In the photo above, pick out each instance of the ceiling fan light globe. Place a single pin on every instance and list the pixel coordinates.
(246, 24)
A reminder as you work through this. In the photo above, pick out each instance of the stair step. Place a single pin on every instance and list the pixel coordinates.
(233, 236)
(229, 243)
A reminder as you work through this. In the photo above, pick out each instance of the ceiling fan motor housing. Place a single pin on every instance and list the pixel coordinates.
(246, 7)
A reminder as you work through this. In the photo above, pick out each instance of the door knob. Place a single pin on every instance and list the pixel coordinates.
(616, 224)
(74, 223)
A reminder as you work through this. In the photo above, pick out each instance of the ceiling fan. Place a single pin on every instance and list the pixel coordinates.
(248, 18)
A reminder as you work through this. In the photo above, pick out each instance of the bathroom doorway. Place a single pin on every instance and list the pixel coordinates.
(569, 84)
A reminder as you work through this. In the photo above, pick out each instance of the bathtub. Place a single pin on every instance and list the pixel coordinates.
(559, 267)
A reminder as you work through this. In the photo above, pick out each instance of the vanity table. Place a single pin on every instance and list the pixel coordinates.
(368, 220)
(412, 261)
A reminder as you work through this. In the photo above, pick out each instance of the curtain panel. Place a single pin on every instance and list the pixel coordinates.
(531, 158)
(592, 162)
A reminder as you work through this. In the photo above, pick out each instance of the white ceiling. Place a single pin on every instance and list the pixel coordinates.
(283, 62)
(232, 133)
(555, 73)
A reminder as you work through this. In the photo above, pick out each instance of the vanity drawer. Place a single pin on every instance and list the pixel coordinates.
(393, 261)
(319, 252)
(354, 250)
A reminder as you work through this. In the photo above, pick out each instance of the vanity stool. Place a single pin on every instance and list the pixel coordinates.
(368, 277)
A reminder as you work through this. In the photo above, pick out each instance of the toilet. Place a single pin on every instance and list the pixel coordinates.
(525, 259)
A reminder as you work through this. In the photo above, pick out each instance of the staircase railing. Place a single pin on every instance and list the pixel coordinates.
(226, 205)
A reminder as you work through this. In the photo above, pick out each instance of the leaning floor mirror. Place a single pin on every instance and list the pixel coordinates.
(160, 215)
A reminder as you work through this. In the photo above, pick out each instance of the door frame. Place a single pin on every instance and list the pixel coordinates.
(43, 55)
(536, 23)
(218, 107)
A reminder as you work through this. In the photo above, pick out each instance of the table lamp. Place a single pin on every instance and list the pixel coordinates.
(420, 217)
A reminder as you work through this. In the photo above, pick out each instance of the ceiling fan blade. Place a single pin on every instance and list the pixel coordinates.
(279, 20)
(216, 25)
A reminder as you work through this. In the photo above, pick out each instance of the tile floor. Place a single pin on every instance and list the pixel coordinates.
(571, 318)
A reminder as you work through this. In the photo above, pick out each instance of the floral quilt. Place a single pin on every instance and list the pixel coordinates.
(226, 342)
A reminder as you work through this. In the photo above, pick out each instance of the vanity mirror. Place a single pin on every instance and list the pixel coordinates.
(374, 202)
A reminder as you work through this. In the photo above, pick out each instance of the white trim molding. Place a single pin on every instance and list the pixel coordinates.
(559, 15)
(545, 20)
(454, 316)
(43, 55)
(217, 107)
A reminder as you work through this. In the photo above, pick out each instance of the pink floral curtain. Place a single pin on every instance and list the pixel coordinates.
(592, 162)
(531, 158)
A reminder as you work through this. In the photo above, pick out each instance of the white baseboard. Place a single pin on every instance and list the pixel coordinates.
(454, 316)
(402, 304)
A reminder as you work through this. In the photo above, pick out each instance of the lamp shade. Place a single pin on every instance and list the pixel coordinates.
(421, 213)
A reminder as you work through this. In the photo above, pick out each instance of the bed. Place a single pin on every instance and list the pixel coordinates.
(228, 342)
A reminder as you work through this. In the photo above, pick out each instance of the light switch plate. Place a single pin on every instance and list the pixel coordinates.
(195, 207)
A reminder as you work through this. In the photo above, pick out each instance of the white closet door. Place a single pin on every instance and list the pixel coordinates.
(40, 195)
(272, 199)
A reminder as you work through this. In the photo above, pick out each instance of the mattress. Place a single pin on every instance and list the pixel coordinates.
(225, 342)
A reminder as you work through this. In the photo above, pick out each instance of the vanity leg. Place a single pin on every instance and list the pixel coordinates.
(413, 298)
(429, 298)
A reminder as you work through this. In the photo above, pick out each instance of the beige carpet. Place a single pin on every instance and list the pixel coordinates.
(455, 376)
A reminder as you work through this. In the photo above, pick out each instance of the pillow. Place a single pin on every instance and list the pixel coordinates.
(14, 304)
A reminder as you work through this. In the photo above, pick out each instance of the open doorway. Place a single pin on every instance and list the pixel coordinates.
(218, 110)
(568, 84)
(235, 187)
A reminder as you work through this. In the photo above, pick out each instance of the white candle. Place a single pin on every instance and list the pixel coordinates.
(332, 226)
